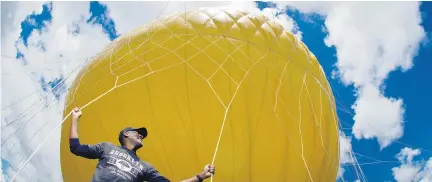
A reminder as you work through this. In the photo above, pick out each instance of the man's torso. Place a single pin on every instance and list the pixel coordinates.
(117, 164)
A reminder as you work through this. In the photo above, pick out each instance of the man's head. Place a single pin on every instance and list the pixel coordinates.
(132, 136)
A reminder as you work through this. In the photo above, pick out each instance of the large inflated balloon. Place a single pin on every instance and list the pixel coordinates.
(206, 77)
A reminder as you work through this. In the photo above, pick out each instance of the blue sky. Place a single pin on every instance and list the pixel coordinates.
(100, 16)
(413, 86)
(34, 22)
(37, 22)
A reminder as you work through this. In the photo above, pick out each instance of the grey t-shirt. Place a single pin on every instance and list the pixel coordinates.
(116, 163)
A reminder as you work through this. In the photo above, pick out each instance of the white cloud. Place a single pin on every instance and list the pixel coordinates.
(345, 149)
(149, 11)
(19, 81)
(406, 155)
(278, 16)
(345, 153)
(146, 12)
(16, 12)
(410, 170)
(426, 174)
(370, 44)
(407, 171)
(385, 125)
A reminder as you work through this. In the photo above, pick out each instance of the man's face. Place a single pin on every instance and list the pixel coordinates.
(135, 138)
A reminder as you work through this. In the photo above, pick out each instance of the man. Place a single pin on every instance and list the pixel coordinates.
(120, 163)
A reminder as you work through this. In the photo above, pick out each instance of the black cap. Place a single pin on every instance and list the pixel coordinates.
(142, 131)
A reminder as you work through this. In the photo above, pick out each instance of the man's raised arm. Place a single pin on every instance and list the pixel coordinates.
(76, 114)
(87, 151)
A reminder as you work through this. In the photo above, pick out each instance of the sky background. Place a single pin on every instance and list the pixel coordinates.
(375, 56)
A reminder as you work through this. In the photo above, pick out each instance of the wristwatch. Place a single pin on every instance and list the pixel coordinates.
(199, 178)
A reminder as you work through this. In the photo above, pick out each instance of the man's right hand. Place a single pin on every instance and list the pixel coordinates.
(76, 113)
(208, 171)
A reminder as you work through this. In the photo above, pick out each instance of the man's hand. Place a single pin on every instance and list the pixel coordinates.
(208, 171)
(76, 113)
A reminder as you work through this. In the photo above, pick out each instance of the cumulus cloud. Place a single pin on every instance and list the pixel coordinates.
(30, 109)
(149, 11)
(345, 149)
(282, 18)
(345, 153)
(370, 44)
(411, 170)
(407, 171)
(28, 122)
(385, 125)
(425, 174)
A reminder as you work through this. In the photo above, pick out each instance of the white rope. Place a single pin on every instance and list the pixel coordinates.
(43, 142)
(37, 149)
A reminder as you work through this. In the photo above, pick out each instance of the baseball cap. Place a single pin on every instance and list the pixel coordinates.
(142, 131)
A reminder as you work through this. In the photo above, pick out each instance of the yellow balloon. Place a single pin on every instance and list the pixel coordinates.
(210, 84)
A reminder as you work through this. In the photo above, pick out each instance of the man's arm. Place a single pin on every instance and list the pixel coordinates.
(196, 178)
(208, 171)
(76, 114)
(154, 176)
(87, 151)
